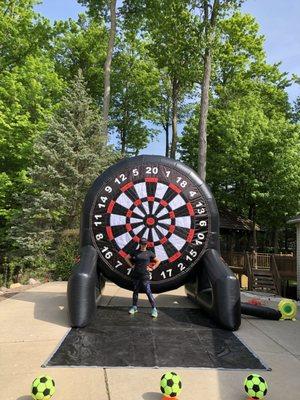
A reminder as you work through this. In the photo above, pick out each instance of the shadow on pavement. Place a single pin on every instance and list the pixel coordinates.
(48, 306)
(162, 300)
(148, 396)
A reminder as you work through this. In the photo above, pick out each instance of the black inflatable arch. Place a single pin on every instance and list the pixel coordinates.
(166, 202)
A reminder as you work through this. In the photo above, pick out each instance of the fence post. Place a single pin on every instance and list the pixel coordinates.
(249, 271)
(275, 273)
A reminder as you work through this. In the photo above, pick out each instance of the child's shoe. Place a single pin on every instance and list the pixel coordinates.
(133, 310)
(154, 312)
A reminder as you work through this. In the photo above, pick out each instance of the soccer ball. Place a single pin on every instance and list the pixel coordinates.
(170, 384)
(43, 388)
(256, 387)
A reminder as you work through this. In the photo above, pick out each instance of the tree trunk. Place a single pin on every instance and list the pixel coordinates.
(123, 143)
(210, 25)
(203, 115)
(276, 234)
(286, 240)
(175, 92)
(107, 67)
(254, 239)
(167, 139)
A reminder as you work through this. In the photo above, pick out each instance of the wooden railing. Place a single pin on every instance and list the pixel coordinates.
(286, 265)
(275, 273)
(236, 261)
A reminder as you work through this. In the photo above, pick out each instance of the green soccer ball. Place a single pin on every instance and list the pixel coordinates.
(256, 387)
(43, 388)
(170, 384)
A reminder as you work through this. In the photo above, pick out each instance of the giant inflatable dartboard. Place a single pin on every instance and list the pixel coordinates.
(167, 203)
(155, 198)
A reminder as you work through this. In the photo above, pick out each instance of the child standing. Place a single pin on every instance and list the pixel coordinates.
(139, 260)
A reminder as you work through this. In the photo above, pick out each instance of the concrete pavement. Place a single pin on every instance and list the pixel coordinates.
(32, 324)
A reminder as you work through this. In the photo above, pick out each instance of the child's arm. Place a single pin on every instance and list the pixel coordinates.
(154, 266)
(128, 260)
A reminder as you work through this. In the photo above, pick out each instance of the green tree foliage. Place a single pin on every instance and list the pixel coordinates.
(296, 111)
(250, 136)
(22, 32)
(69, 157)
(134, 93)
(82, 45)
(97, 9)
(29, 90)
(134, 77)
(158, 63)
(172, 32)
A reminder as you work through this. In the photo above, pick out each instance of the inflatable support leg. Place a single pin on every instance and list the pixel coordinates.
(217, 291)
(261, 312)
(84, 286)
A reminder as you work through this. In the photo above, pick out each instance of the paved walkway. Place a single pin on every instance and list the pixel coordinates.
(32, 324)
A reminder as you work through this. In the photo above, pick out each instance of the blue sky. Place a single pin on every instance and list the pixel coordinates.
(278, 19)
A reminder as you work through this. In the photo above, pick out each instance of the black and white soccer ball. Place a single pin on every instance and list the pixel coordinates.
(170, 384)
(43, 388)
(255, 386)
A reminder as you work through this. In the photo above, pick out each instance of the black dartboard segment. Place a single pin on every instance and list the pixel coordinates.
(159, 203)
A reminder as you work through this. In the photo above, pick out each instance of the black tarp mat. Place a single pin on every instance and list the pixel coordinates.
(179, 337)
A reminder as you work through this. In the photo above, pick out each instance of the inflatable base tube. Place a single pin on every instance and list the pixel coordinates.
(260, 311)
(84, 286)
(216, 290)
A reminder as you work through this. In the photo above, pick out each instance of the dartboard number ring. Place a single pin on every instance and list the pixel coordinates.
(158, 203)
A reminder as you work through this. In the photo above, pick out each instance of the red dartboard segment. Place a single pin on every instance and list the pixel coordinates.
(172, 228)
(163, 203)
(190, 235)
(152, 180)
(123, 254)
(190, 209)
(174, 257)
(110, 207)
(175, 188)
(126, 187)
(128, 227)
(109, 233)
(163, 240)
(171, 214)
(150, 221)
(153, 207)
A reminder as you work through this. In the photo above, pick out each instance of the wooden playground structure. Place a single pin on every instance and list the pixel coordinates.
(270, 273)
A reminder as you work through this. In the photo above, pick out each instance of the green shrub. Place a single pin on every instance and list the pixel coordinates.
(64, 257)
(21, 269)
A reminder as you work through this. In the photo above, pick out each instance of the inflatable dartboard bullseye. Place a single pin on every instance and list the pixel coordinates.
(155, 198)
